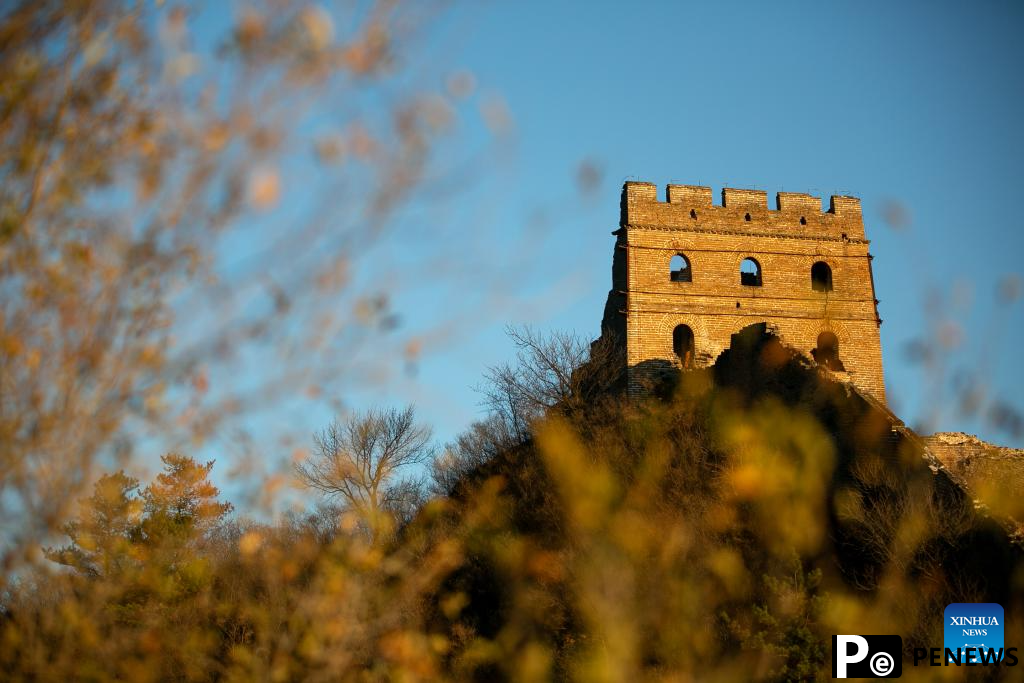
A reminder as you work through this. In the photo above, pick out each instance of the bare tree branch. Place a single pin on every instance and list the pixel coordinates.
(557, 370)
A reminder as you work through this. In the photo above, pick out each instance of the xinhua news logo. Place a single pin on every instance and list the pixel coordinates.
(867, 656)
(976, 629)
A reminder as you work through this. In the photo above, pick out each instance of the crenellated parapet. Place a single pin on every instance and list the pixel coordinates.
(691, 207)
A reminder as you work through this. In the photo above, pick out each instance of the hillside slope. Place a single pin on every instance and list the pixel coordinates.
(723, 531)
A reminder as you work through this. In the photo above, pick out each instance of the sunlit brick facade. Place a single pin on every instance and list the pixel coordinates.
(810, 280)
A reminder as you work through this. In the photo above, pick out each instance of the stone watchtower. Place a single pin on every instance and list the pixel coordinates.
(688, 274)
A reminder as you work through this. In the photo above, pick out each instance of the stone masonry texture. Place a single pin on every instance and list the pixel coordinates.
(645, 305)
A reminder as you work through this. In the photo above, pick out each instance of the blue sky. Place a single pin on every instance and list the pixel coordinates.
(917, 103)
(906, 104)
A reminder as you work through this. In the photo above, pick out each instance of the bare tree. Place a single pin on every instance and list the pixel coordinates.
(560, 369)
(360, 461)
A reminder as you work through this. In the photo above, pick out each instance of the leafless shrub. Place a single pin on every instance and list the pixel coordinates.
(471, 449)
(560, 369)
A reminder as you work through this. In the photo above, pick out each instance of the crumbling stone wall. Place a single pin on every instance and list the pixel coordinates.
(645, 304)
(972, 459)
(993, 473)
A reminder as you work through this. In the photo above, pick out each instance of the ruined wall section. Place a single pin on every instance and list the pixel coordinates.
(786, 242)
(993, 473)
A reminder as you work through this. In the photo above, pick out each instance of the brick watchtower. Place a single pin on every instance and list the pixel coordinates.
(687, 274)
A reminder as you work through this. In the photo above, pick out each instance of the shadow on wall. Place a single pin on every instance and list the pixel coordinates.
(661, 378)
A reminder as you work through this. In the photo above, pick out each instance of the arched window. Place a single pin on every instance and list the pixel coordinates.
(827, 353)
(821, 277)
(750, 273)
(682, 344)
(679, 269)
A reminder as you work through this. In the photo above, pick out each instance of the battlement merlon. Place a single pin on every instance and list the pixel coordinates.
(692, 206)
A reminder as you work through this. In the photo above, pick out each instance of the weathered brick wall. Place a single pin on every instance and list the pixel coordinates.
(995, 473)
(786, 242)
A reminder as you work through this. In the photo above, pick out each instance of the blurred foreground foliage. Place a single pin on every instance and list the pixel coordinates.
(721, 532)
(145, 148)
